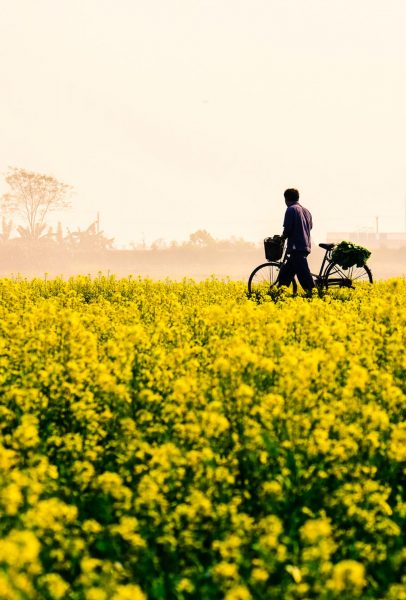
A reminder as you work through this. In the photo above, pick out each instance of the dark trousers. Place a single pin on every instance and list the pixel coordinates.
(296, 265)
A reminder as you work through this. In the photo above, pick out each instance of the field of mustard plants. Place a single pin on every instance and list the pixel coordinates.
(176, 440)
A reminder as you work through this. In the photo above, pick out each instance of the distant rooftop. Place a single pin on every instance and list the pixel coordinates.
(372, 239)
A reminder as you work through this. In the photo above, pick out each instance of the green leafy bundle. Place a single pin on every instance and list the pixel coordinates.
(347, 254)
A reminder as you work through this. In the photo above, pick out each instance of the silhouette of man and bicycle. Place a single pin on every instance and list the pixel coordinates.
(287, 262)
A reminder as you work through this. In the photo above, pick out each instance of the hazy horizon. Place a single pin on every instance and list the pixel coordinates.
(170, 116)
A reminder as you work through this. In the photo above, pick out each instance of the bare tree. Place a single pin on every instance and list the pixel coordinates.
(33, 195)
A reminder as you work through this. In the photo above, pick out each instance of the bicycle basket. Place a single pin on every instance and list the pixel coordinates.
(274, 247)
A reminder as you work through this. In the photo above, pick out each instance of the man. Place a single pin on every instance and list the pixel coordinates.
(296, 229)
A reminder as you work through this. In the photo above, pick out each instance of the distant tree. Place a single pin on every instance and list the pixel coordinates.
(59, 234)
(201, 237)
(159, 244)
(89, 239)
(33, 195)
(235, 243)
(6, 229)
(37, 233)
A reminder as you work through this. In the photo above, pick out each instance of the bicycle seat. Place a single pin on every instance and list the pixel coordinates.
(327, 246)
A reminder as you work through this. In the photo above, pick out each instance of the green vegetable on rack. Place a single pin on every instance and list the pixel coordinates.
(347, 254)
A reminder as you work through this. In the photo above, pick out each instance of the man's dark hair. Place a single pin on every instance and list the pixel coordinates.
(291, 195)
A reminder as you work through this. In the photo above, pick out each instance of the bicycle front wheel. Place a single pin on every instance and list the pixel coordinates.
(265, 277)
(336, 276)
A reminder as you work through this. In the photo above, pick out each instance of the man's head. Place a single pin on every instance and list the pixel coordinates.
(291, 196)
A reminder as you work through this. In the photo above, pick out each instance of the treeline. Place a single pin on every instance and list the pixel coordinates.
(26, 207)
(198, 239)
(30, 246)
(30, 199)
(47, 238)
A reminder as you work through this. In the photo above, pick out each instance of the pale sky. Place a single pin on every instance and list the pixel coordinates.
(173, 115)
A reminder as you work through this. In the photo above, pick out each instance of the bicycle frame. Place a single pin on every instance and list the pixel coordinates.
(342, 278)
(330, 273)
(323, 267)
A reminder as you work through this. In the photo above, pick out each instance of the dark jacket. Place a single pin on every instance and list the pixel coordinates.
(296, 227)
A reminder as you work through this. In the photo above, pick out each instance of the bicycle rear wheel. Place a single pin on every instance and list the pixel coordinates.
(336, 276)
(265, 277)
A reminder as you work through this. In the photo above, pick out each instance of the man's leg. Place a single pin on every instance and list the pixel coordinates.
(286, 273)
(301, 269)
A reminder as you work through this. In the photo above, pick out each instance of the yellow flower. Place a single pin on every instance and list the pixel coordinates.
(11, 498)
(127, 529)
(229, 548)
(273, 488)
(239, 592)
(56, 586)
(26, 434)
(295, 572)
(315, 529)
(128, 592)
(91, 526)
(397, 445)
(259, 574)
(7, 458)
(185, 585)
(225, 570)
(348, 575)
(20, 549)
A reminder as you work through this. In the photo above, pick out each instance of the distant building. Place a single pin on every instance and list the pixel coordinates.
(370, 239)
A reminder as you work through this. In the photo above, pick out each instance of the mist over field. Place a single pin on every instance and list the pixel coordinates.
(234, 259)
(32, 247)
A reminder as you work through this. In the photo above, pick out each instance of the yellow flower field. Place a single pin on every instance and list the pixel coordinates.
(177, 440)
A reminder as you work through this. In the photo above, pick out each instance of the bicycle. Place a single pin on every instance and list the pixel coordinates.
(265, 276)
